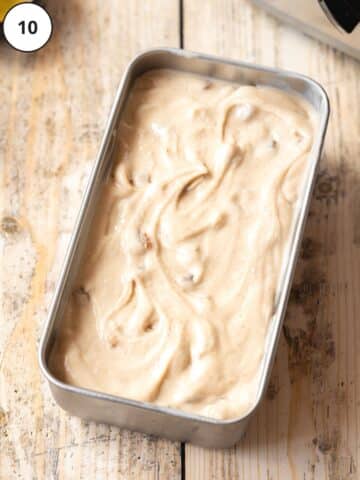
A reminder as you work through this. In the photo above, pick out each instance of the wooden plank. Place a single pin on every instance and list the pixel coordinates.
(54, 104)
(307, 426)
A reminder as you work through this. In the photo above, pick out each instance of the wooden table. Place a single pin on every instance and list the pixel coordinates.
(53, 108)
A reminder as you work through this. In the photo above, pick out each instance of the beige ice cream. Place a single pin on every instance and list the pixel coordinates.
(177, 287)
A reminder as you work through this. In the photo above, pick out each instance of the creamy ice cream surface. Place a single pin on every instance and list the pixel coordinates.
(177, 287)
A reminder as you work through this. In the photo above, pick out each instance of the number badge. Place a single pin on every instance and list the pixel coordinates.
(27, 27)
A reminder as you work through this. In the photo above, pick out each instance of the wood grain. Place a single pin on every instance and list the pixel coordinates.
(54, 104)
(53, 108)
(307, 427)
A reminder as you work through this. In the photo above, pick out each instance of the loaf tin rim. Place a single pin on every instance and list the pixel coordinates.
(296, 237)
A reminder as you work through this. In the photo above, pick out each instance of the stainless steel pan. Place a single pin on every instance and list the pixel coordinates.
(146, 417)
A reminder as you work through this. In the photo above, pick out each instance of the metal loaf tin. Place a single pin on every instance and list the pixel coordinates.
(147, 417)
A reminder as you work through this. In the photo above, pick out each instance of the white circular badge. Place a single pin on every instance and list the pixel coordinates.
(27, 27)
